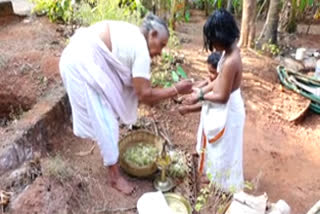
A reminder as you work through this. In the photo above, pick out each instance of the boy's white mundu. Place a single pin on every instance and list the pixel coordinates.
(99, 83)
(220, 141)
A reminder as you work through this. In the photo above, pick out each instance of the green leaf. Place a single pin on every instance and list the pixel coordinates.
(198, 207)
(181, 72)
(187, 16)
(175, 76)
(310, 2)
(303, 4)
(210, 176)
(219, 4)
(167, 84)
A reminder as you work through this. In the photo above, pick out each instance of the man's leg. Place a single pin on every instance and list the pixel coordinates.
(117, 181)
(106, 129)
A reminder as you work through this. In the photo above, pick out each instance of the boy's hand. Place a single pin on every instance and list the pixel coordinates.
(212, 77)
(192, 99)
(180, 99)
(196, 90)
(183, 110)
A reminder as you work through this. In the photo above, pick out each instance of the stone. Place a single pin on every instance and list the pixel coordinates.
(291, 63)
(18, 179)
(22, 7)
(15, 7)
(310, 63)
(38, 198)
(6, 8)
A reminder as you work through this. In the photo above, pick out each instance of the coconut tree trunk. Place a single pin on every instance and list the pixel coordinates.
(269, 31)
(248, 28)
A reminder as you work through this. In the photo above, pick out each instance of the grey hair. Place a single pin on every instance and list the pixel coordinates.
(153, 22)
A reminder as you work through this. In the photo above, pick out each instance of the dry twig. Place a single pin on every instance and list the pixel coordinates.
(85, 153)
(121, 210)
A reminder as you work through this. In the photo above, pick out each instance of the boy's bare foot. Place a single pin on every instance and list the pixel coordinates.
(118, 182)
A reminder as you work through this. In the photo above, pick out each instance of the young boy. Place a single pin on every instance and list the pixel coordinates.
(220, 133)
(212, 62)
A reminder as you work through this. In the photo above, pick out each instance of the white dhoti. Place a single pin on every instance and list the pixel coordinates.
(220, 142)
(100, 91)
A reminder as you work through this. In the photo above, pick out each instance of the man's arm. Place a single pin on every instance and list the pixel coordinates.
(150, 96)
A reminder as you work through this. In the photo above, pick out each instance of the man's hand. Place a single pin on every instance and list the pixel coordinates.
(184, 87)
(149, 95)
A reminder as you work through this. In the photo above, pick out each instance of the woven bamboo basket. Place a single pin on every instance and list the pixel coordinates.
(135, 138)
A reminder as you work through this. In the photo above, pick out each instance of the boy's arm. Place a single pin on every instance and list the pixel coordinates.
(207, 88)
(190, 108)
(221, 95)
(201, 84)
(214, 76)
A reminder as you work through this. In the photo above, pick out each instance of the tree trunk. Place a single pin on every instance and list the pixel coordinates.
(284, 17)
(264, 4)
(292, 26)
(206, 7)
(248, 28)
(148, 4)
(172, 21)
(269, 31)
(287, 22)
(229, 5)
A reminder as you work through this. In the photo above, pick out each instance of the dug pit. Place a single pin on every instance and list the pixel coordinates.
(12, 107)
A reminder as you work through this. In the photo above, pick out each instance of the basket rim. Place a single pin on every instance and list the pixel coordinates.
(132, 169)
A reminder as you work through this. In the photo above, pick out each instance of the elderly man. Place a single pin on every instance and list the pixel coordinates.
(106, 71)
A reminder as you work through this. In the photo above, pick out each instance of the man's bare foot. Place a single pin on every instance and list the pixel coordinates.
(123, 186)
(118, 182)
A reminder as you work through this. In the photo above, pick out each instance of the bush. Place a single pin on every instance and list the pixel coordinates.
(56, 10)
(106, 10)
(88, 12)
(167, 70)
(270, 49)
